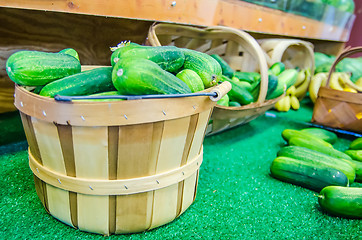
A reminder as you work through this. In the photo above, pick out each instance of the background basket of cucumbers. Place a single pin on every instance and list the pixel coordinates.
(243, 64)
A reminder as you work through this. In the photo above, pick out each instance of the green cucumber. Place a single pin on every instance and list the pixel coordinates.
(238, 92)
(286, 79)
(341, 201)
(224, 101)
(234, 104)
(192, 79)
(83, 83)
(354, 154)
(356, 144)
(358, 170)
(272, 85)
(225, 67)
(205, 66)
(276, 69)
(322, 134)
(250, 77)
(309, 175)
(108, 93)
(71, 52)
(316, 157)
(36, 68)
(138, 76)
(307, 143)
(169, 58)
(287, 134)
(120, 49)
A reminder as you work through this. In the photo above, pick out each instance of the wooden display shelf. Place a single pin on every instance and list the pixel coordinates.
(232, 13)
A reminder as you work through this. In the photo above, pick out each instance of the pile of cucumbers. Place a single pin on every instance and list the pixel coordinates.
(310, 161)
(134, 70)
(246, 85)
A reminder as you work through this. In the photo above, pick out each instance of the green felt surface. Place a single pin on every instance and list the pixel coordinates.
(236, 197)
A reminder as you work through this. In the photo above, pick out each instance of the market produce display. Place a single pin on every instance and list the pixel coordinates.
(310, 161)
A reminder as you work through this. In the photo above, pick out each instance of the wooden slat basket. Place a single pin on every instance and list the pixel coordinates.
(115, 167)
(241, 51)
(339, 109)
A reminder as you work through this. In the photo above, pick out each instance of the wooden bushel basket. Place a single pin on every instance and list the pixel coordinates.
(240, 50)
(115, 167)
(339, 109)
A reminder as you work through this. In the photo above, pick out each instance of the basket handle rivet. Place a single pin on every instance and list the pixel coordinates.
(164, 113)
(90, 187)
(260, 19)
(82, 118)
(157, 181)
(125, 116)
(125, 187)
(37, 170)
(59, 181)
(194, 107)
(304, 27)
(183, 173)
(44, 113)
(173, 3)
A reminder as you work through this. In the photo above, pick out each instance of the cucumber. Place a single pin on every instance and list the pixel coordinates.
(234, 104)
(356, 144)
(71, 52)
(307, 143)
(322, 134)
(224, 101)
(120, 49)
(272, 85)
(316, 157)
(354, 154)
(108, 93)
(84, 83)
(225, 67)
(357, 169)
(169, 58)
(36, 68)
(276, 69)
(138, 76)
(286, 79)
(239, 93)
(309, 175)
(192, 79)
(341, 201)
(250, 77)
(287, 134)
(205, 66)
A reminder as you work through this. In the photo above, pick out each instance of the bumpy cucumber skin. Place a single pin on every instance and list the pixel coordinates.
(307, 143)
(315, 157)
(138, 76)
(192, 79)
(120, 50)
(356, 144)
(250, 77)
(277, 68)
(322, 134)
(205, 66)
(71, 52)
(36, 68)
(240, 94)
(287, 134)
(354, 154)
(84, 83)
(225, 67)
(357, 169)
(169, 58)
(285, 80)
(341, 201)
(306, 174)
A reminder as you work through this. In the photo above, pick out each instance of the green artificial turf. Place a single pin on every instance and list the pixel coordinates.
(236, 197)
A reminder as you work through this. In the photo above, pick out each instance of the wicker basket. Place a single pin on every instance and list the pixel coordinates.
(118, 166)
(237, 48)
(339, 109)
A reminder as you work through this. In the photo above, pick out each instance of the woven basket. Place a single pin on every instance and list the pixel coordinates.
(118, 166)
(339, 109)
(237, 48)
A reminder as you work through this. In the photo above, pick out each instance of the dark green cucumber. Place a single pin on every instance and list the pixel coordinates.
(192, 79)
(225, 67)
(315, 157)
(71, 52)
(138, 76)
(358, 170)
(276, 69)
(354, 154)
(272, 85)
(169, 58)
(205, 66)
(35, 68)
(108, 93)
(322, 134)
(309, 175)
(307, 143)
(84, 83)
(356, 144)
(250, 77)
(234, 104)
(120, 49)
(224, 101)
(341, 201)
(287, 134)
(285, 80)
(238, 92)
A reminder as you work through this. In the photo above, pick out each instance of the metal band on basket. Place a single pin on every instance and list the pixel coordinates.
(115, 187)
